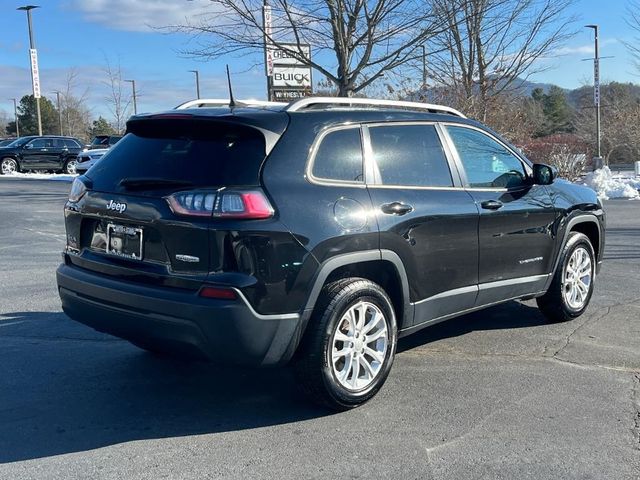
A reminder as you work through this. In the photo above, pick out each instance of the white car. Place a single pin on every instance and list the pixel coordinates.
(88, 158)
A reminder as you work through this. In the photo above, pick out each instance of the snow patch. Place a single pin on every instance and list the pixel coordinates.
(608, 185)
(43, 176)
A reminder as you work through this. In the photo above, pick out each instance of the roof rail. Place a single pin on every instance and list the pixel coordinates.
(308, 102)
(224, 102)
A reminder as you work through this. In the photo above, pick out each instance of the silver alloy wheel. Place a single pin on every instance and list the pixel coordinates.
(71, 167)
(359, 346)
(9, 165)
(578, 276)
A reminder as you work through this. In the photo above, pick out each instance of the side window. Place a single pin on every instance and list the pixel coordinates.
(339, 156)
(70, 143)
(487, 163)
(410, 155)
(38, 143)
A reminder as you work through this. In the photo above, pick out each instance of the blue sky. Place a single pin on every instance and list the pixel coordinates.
(81, 34)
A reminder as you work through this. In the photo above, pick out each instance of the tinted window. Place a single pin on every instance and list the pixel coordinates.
(339, 156)
(70, 143)
(195, 153)
(486, 162)
(41, 143)
(410, 155)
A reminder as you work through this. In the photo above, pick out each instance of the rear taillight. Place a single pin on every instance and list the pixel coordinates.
(195, 203)
(238, 204)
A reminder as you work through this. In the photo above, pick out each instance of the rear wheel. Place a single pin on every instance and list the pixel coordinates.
(70, 166)
(572, 285)
(348, 349)
(8, 166)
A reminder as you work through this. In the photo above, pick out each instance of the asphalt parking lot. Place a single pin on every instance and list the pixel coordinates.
(495, 394)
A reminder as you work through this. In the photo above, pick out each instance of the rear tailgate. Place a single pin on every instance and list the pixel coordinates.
(124, 225)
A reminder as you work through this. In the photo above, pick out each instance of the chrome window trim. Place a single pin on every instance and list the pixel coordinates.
(311, 178)
(463, 173)
(373, 179)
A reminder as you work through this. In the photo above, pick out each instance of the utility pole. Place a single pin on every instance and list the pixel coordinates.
(197, 82)
(59, 110)
(15, 113)
(133, 87)
(596, 89)
(33, 54)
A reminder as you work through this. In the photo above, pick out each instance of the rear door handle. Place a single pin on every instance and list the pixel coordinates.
(491, 204)
(396, 208)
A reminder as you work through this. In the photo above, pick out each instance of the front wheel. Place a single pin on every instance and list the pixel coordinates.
(572, 285)
(348, 349)
(8, 166)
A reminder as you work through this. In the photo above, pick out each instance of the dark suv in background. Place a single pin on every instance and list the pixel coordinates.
(318, 233)
(40, 153)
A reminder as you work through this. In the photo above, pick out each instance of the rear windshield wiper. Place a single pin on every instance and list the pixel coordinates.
(143, 183)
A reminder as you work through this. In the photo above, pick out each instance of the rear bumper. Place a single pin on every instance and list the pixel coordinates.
(224, 331)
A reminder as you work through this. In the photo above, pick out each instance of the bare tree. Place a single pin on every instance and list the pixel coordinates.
(633, 20)
(118, 101)
(364, 38)
(620, 120)
(489, 45)
(76, 116)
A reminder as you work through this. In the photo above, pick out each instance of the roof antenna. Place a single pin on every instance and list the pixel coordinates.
(232, 102)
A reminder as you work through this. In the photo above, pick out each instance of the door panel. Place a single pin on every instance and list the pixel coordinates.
(515, 241)
(424, 216)
(37, 154)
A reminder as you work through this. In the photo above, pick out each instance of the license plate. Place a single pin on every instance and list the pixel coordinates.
(124, 241)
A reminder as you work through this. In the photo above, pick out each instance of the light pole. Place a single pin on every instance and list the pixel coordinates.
(197, 82)
(35, 76)
(15, 113)
(596, 87)
(135, 104)
(59, 110)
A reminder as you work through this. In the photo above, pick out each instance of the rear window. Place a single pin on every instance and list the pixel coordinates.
(194, 153)
(339, 156)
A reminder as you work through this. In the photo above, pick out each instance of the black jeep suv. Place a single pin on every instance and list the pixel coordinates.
(318, 233)
(40, 153)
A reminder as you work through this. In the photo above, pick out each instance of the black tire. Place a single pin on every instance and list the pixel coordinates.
(554, 304)
(5, 165)
(315, 372)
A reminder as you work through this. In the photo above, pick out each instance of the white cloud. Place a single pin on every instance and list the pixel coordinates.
(587, 49)
(140, 15)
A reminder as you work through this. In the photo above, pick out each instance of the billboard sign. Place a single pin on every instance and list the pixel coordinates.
(35, 74)
(285, 76)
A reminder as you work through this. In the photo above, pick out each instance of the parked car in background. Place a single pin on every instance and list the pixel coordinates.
(88, 158)
(103, 141)
(40, 153)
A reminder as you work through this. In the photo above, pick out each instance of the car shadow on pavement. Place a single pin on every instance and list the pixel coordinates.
(65, 388)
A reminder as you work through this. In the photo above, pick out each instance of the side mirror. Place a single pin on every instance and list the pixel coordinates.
(543, 174)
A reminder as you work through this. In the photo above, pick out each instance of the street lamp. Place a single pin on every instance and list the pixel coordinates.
(596, 86)
(133, 87)
(35, 76)
(59, 110)
(15, 113)
(197, 82)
